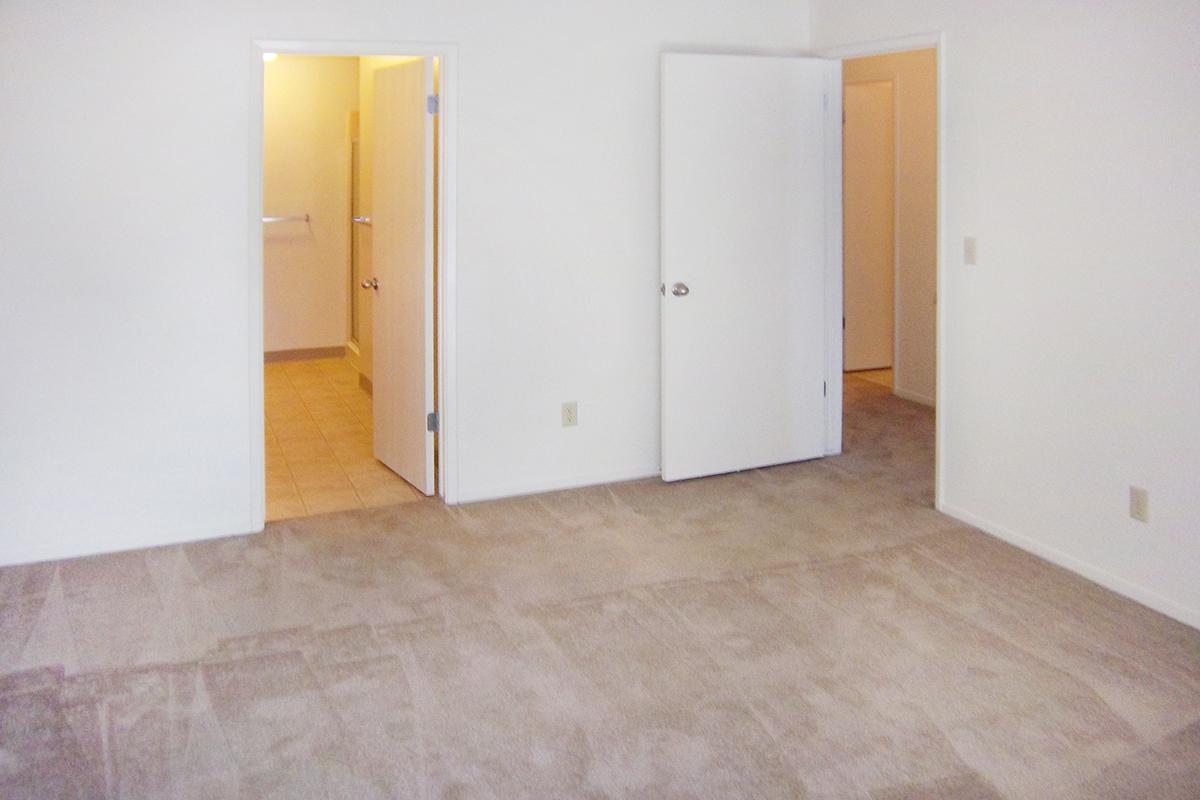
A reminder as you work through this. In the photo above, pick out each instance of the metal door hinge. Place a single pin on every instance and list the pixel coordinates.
(431, 422)
(433, 103)
(825, 388)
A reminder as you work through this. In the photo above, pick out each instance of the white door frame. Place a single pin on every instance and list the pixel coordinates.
(923, 41)
(447, 253)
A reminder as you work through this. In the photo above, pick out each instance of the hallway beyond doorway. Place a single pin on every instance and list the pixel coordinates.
(318, 427)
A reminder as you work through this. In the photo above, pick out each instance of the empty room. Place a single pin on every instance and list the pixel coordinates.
(784, 398)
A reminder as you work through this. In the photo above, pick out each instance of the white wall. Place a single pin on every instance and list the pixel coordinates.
(125, 164)
(307, 101)
(914, 84)
(1070, 354)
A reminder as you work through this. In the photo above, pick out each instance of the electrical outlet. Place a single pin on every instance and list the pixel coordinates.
(1139, 504)
(970, 251)
(570, 414)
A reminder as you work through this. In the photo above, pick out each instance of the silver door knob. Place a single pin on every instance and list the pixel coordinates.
(373, 283)
(680, 289)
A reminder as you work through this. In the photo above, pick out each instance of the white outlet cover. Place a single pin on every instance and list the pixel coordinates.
(570, 414)
(1139, 504)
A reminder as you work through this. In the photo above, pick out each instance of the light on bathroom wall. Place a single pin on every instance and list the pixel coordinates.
(270, 56)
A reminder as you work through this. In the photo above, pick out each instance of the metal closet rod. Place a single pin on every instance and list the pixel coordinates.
(293, 218)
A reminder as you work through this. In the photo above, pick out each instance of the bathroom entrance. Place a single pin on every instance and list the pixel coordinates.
(350, 248)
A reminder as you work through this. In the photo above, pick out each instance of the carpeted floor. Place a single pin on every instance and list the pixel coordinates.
(812, 630)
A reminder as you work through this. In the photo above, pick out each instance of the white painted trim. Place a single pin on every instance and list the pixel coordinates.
(557, 484)
(924, 41)
(257, 501)
(48, 548)
(943, 252)
(447, 266)
(1188, 616)
(905, 394)
(878, 47)
(448, 279)
(834, 265)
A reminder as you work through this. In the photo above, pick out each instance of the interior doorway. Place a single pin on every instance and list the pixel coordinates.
(890, 217)
(351, 212)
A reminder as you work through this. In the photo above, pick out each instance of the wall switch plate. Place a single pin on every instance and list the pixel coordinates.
(970, 251)
(1139, 504)
(570, 414)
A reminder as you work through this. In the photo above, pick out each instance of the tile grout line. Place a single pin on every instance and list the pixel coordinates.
(286, 463)
(362, 427)
(370, 431)
(341, 467)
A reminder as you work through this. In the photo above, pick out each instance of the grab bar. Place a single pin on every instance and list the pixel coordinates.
(293, 218)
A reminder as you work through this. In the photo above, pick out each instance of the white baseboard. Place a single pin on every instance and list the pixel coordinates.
(913, 396)
(51, 549)
(556, 484)
(304, 354)
(1148, 598)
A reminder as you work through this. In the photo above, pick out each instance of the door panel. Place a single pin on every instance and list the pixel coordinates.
(747, 181)
(402, 262)
(870, 191)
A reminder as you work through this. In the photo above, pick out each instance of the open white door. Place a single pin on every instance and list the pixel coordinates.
(751, 261)
(870, 191)
(402, 256)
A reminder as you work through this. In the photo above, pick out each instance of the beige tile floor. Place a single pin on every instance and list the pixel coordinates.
(319, 457)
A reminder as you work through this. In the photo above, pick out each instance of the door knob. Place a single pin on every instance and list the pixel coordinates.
(680, 289)
(373, 283)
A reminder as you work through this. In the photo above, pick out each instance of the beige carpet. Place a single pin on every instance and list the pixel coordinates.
(812, 630)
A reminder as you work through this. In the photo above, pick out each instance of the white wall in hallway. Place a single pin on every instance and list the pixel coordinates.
(1070, 353)
(307, 101)
(125, 164)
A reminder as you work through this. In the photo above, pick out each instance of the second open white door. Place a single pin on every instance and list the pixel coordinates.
(403, 261)
(870, 191)
(751, 261)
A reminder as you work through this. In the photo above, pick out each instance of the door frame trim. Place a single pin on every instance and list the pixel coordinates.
(935, 40)
(447, 322)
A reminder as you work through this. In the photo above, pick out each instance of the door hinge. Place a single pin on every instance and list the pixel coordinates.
(825, 102)
(433, 103)
(825, 388)
(431, 422)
